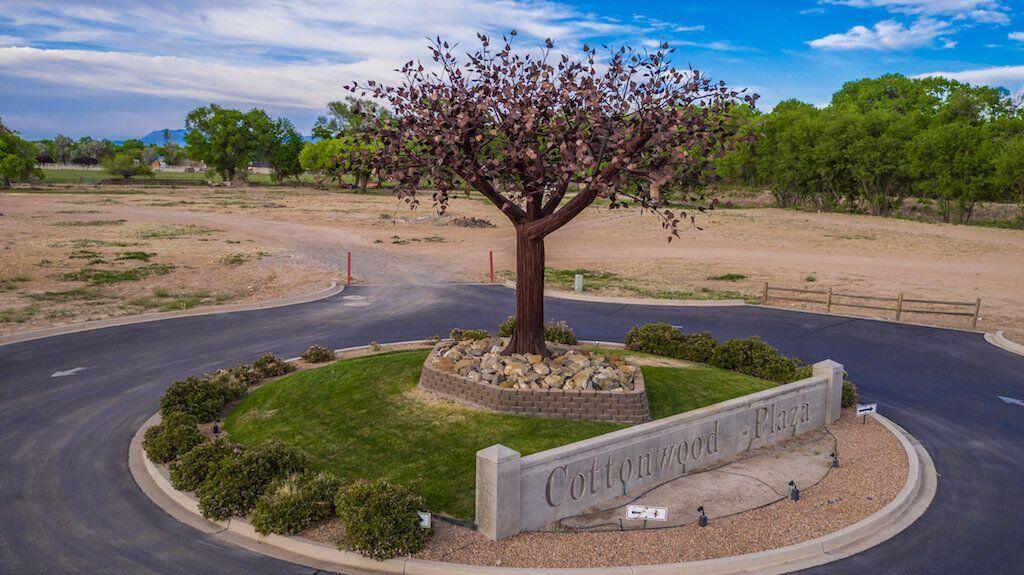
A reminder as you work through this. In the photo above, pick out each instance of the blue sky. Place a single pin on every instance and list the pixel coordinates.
(122, 69)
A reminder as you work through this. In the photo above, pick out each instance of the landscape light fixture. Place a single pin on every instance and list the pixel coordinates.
(835, 459)
(794, 493)
(703, 519)
(216, 427)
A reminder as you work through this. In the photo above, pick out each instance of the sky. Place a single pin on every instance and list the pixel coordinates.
(122, 69)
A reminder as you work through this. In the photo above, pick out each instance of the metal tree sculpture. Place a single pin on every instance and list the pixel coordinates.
(542, 136)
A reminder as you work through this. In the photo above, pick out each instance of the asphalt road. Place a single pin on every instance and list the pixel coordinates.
(68, 503)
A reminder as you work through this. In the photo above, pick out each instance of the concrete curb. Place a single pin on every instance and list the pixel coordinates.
(637, 301)
(897, 515)
(329, 291)
(1000, 340)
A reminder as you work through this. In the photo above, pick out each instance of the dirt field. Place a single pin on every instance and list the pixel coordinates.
(77, 252)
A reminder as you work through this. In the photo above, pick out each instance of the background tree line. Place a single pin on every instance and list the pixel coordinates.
(883, 140)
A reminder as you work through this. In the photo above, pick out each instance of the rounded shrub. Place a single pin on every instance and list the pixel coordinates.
(202, 397)
(318, 354)
(240, 480)
(850, 395)
(245, 374)
(559, 332)
(554, 331)
(269, 365)
(506, 327)
(657, 338)
(292, 504)
(754, 357)
(202, 461)
(698, 347)
(381, 519)
(173, 437)
(474, 334)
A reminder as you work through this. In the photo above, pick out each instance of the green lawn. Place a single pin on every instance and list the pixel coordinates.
(356, 418)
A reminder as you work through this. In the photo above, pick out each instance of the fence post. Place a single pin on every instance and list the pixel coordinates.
(977, 309)
(764, 294)
(899, 306)
(348, 269)
(492, 265)
(828, 304)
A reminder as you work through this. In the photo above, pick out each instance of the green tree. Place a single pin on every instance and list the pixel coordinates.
(1009, 170)
(953, 163)
(88, 151)
(323, 160)
(63, 147)
(17, 158)
(346, 117)
(222, 138)
(279, 145)
(126, 165)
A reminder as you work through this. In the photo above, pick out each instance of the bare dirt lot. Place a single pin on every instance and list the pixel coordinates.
(78, 252)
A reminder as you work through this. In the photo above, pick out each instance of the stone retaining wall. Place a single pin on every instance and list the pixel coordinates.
(515, 493)
(619, 407)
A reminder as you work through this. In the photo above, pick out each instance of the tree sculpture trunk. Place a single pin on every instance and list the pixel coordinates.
(528, 336)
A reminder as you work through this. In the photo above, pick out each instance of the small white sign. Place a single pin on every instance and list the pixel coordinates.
(647, 513)
(424, 519)
(866, 409)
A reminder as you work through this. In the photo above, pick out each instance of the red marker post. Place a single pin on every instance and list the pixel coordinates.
(492, 266)
(348, 268)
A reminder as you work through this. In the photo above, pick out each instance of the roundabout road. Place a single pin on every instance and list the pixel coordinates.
(68, 503)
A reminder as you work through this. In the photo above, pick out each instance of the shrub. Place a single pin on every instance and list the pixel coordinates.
(189, 472)
(850, 395)
(245, 373)
(171, 438)
(381, 519)
(293, 504)
(202, 397)
(240, 480)
(269, 365)
(318, 354)
(755, 357)
(506, 327)
(554, 331)
(698, 347)
(474, 334)
(657, 338)
(559, 332)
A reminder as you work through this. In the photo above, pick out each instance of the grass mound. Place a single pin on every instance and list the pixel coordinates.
(363, 419)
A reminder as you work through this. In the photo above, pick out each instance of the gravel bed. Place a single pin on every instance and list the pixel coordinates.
(873, 471)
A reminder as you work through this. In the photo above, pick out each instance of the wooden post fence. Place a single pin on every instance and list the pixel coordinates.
(900, 305)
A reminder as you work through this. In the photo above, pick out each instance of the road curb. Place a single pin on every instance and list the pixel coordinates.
(1000, 340)
(329, 291)
(908, 505)
(636, 301)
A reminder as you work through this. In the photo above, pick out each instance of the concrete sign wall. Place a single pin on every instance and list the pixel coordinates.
(515, 493)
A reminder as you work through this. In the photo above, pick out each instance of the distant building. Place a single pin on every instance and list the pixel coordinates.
(158, 163)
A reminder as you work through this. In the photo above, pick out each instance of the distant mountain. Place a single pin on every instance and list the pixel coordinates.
(156, 137)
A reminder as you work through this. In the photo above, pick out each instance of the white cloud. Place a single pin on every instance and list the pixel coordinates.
(885, 35)
(1009, 77)
(1016, 36)
(291, 54)
(981, 11)
(990, 17)
(291, 85)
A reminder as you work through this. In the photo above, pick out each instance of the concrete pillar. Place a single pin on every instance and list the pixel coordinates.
(498, 471)
(833, 372)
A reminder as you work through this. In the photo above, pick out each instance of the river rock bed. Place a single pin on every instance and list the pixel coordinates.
(567, 368)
